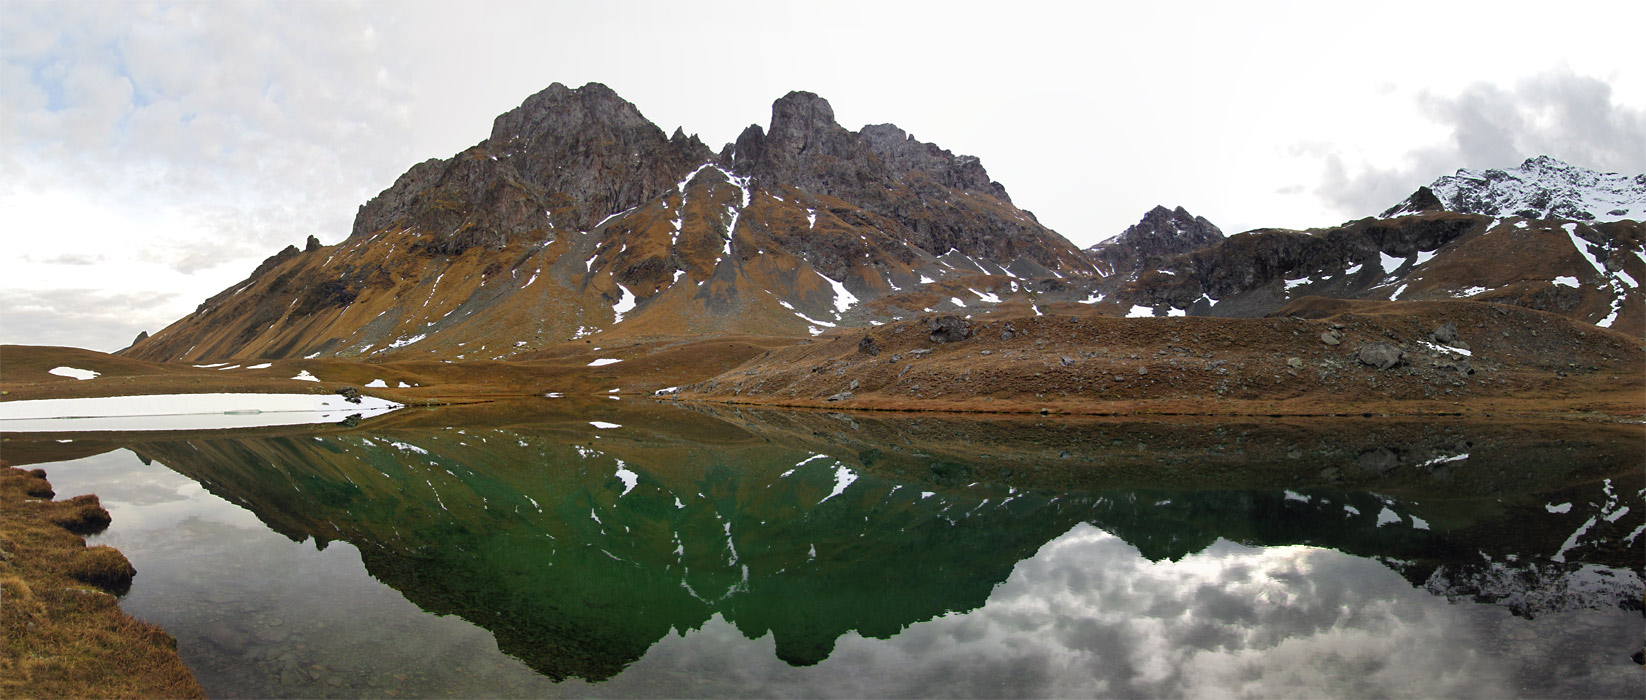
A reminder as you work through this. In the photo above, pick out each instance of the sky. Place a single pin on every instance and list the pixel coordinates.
(151, 154)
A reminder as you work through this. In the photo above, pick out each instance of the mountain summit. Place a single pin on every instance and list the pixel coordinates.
(1161, 233)
(1541, 188)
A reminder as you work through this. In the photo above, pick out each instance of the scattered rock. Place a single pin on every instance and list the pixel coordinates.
(1009, 332)
(1294, 362)
(1142, 371)
(349, 394)
(853, 385)
(842, 396)
(948, 329)
(1067, 361)
(1381, 355)
(920, 351)
(1331, 338)
(867, 346)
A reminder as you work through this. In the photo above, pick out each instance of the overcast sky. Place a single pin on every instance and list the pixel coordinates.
(151, 154)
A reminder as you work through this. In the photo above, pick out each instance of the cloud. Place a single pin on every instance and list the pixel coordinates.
(80, 318)
(188, 137)
(1571, 117)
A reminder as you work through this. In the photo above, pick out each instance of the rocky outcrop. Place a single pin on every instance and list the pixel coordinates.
(1422, 200)
(1160, 234)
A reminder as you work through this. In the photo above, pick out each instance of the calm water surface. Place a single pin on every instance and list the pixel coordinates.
(776, 555)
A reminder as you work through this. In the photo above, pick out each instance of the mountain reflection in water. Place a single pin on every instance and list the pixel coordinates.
(579, 547)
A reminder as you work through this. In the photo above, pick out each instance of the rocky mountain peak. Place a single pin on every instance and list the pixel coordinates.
(1540, 188)
(1161, 233)
(903, 154)
(564, 159)
(800, 119)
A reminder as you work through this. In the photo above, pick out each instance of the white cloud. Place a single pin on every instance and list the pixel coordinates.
(1572, 117)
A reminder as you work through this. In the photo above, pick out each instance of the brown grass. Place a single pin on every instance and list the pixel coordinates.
(64, 634)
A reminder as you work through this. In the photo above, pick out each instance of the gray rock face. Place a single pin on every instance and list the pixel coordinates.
(918, 188)
(1161, 233)
(904, 155)
(1381, 355)
(579, 155)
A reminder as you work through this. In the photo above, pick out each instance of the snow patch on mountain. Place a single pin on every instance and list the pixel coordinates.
(1544, 188)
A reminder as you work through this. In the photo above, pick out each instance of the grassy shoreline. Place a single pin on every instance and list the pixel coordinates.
(64, 632)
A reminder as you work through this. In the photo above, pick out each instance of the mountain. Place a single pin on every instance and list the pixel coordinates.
(1541, 188)
(1528, 237)
(578, 217)
(1160, 234)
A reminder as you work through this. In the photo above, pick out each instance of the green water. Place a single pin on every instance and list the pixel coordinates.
(744, 553)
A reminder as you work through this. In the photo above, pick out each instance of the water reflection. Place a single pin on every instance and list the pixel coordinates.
(772, 553)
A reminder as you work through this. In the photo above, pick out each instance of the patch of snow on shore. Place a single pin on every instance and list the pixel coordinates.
(304, 376)
(1140, 312)
(604, 425)
(73, 373)
(602, 362)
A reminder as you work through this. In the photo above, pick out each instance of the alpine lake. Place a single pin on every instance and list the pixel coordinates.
(641, 549)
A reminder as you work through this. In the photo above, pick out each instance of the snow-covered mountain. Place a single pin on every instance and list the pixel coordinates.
(1541, 188)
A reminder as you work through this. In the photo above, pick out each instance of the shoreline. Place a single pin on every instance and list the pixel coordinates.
(65, 633)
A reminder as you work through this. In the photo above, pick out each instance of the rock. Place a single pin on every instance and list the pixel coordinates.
(1446, 334)
(1330, 338)
(1381, 355)
(867, 346)
(920, 351)
(349, 394)
(948, 329)
(842, 396)
(1067, 361)
(1142, 371)
(1009, 332)
(141, 336)
(1378, 460)
(311, 245)
(1294, 362)
(853, 385)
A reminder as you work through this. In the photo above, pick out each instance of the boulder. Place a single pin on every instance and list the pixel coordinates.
(867, 346)
(1446, 334)
(1381, 355)
(949, 329)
